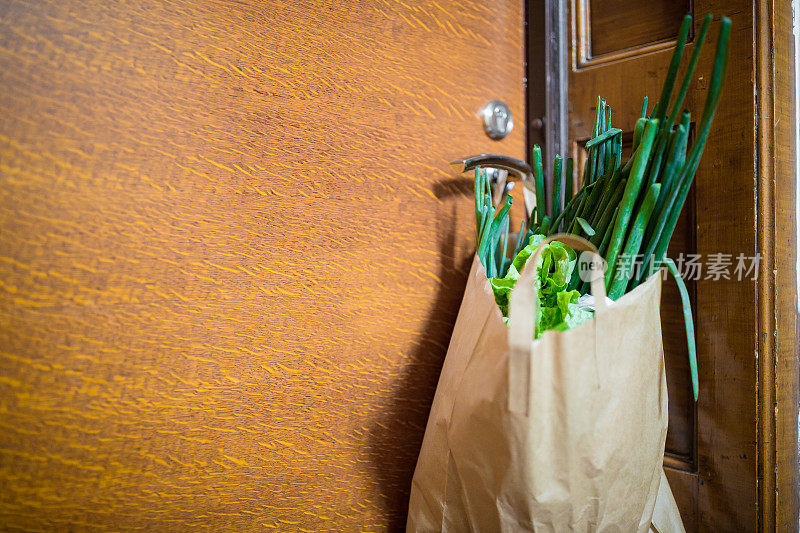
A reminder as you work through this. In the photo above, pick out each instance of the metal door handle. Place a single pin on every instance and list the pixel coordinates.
(517, 169)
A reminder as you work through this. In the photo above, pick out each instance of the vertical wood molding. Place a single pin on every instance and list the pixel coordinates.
(777, 285)
(536, 76)
(557, 123)
(547, 70)
(787, 382)
(765, 360)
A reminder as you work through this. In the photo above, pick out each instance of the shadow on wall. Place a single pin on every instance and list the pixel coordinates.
(396, 440)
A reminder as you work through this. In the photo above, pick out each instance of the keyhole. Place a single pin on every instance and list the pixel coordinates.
(497, 120)
(500, 118)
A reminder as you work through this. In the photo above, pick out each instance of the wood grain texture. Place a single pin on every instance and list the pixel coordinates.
(779, 470)
(767, 328)
(681, 444)
(616, 25)
(231, 253)
(722, 494)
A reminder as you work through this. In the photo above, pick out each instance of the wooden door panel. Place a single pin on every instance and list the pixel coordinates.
(685, 489)
(681, 444)
(611, 27)
(711, 446)
(231, 254)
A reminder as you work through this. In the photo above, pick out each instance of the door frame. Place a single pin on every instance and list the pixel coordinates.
(547, 107)
(776, 231)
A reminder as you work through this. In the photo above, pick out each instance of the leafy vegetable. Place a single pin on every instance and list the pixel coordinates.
(558, 307)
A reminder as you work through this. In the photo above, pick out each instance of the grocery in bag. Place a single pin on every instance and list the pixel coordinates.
(551, 409)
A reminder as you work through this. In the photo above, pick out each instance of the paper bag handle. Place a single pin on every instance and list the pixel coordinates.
(522, 304)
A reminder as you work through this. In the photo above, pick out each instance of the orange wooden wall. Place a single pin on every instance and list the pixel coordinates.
(231, 253)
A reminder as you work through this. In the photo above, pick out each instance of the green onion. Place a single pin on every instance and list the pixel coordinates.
(600, 153)
(684, 181)
(568, 181)
(604, 244)
(629, 197)
(620, 276)
(687, 76)
(503, 259)
(655, 227)
(571, 206)
(478, 186)
(608, 213)
(603, 137)
(586, 227)
(689, 321)
(607, 196)
(520, 239)
(545, 227)
(601, 249)
(538, 177)
(660, 111)
(556, 199)
(637, 132)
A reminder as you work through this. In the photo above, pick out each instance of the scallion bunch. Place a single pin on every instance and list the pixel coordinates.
(627, 209)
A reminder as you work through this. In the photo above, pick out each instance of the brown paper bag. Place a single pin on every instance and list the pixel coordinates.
(565, 432)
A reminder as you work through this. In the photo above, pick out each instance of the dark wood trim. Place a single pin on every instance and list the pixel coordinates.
(765, 360)
(547, 75)
(582, 53)
(557, 124)
(777, 288)
(535, 75)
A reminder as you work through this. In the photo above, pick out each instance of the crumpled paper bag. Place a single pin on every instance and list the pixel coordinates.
(561, 433)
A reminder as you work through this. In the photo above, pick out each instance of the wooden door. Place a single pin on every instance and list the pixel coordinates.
(231, 253)
(722, 460)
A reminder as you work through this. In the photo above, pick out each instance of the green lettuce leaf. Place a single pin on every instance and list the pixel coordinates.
(558, 308)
